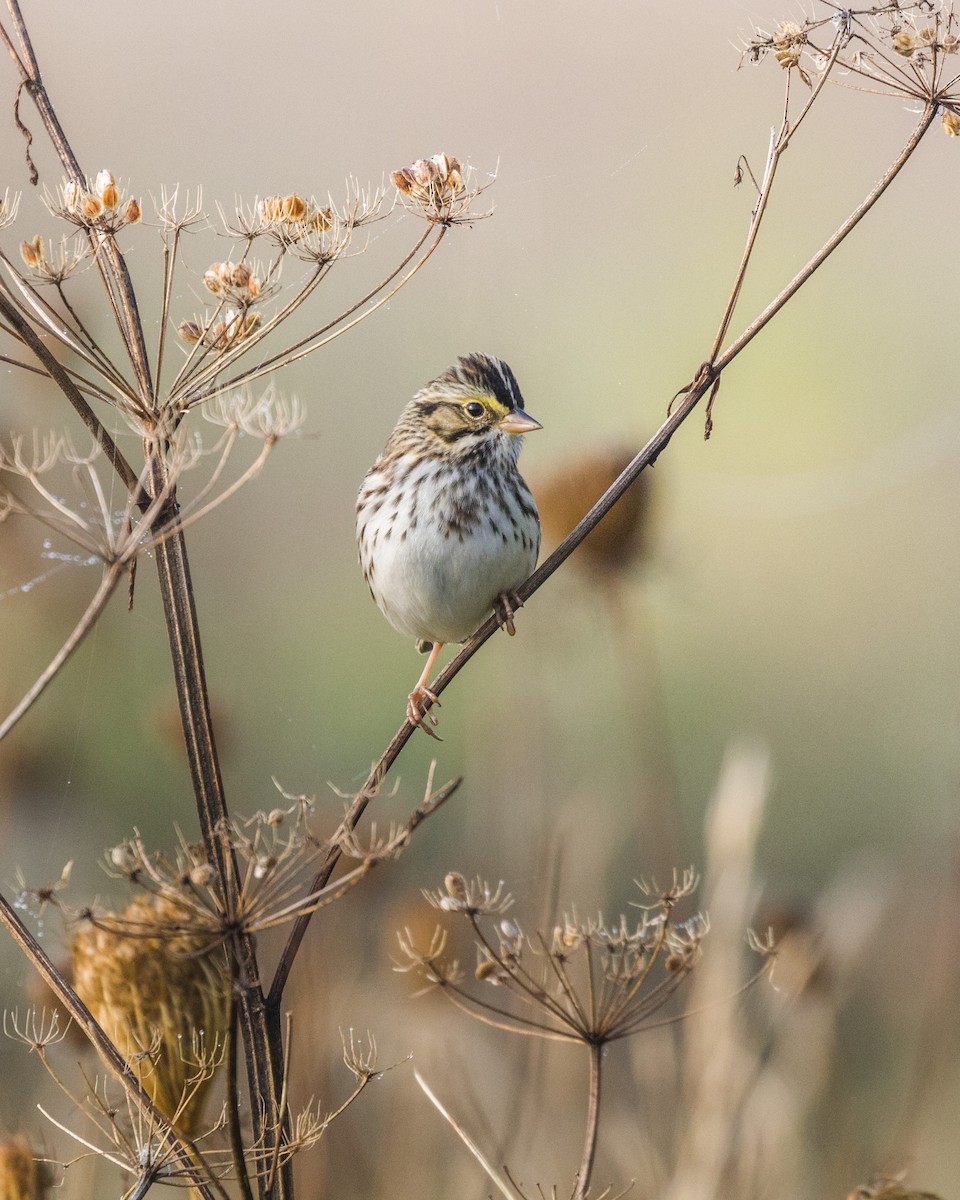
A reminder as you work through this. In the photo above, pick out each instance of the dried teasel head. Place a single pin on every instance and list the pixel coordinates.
(154, 986)
(22, 1176)
(622, 537)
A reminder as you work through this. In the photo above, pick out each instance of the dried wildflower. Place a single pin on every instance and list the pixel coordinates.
(22, 1175)
(153, 986)
(950, 123)
(904, 43)
(59, 265)
(294, 207)
(788, 42)
(622, 537)
(475, 897)
(586, 981)
(32, 252)
(235, 282)
(436, 188)
(101, 204)
(189, 332)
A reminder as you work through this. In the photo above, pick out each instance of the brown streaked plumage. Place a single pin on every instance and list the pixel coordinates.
(446, 526)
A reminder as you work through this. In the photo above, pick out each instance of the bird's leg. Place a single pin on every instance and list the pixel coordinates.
(421, 698)
(505, 607)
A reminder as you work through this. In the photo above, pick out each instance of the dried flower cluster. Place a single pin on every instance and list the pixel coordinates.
(899, 48)
(437, 189)
(585, 981)
(99, 205)
(162, 996)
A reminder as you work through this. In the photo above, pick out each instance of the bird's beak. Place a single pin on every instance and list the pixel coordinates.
(519, 422)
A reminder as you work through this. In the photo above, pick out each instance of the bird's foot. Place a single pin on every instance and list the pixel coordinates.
(419, 703)
(505, 607)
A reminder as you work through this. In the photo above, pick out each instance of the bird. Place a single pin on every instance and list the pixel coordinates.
(447, 529)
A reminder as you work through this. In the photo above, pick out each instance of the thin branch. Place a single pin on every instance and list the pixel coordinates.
(181, 1148)
(471, 1145)
(111, 577)
(60, 377)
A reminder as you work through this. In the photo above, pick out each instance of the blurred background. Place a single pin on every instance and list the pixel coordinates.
(793, 585)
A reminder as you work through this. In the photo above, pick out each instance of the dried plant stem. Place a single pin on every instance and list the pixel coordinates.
(779, 142)
(593, 1122)
(182, 1149)
(111, 577)
(32, 340)
(926, 120)
(113, 269)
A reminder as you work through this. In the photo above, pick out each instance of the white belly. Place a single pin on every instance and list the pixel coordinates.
(430, 584)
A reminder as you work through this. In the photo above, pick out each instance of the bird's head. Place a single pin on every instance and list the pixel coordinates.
(471, 403)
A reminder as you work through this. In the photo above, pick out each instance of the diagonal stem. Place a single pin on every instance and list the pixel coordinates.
(183, 1150)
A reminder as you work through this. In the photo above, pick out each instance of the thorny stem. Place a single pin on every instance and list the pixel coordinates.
(705, 380)
(593, 1122)
(182, 1149)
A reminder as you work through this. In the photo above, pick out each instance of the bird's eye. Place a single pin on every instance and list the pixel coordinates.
(475, 409)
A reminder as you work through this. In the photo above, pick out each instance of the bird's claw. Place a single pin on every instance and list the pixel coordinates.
(419, 702)
(505, 608)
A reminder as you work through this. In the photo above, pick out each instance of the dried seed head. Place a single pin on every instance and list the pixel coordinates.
(276, 818)
(132, 212)
(110, 197)
(72, 196)
(105, 179)
(153, 987)
(456, 885)
(788, 42)
(189, 332)
(294, 207)
(950, 44)
(927, 36)
(950, 123)
(22, 1177)
(32, 252)
(904, 43)
(202, 875)
(488, 968)
(321, 219)
(213, 279)
(91, 207)
(271, 208)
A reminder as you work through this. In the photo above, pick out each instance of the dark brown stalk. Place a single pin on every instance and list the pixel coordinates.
(114, 272)
(593, 1122)
(182, 1149)
(262, 1045)
(30, 338)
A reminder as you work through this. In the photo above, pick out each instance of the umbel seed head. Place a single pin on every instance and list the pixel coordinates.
(155, 988)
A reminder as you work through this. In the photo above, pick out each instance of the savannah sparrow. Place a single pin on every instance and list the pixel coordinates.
(446, 526)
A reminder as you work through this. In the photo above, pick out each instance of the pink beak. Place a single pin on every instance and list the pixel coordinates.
(519, 422)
